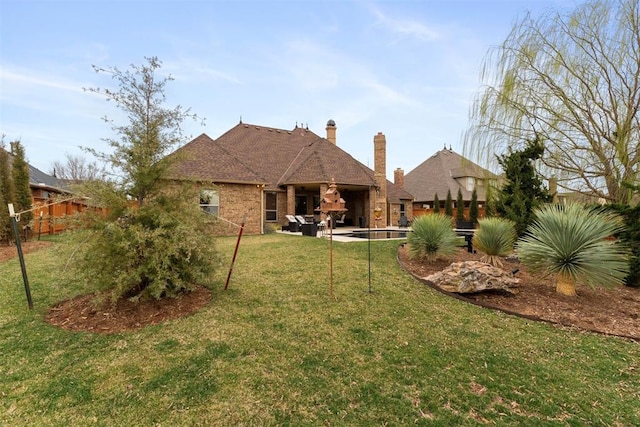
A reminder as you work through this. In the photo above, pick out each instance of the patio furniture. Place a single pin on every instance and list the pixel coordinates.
(309, 229)
(293, 224)
(301, 220)
(340, 221)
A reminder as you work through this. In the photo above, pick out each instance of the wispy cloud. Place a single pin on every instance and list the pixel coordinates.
(11, 78)
(187, 68)
(405, 27)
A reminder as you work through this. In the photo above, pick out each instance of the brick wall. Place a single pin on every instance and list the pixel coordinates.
(236, 200)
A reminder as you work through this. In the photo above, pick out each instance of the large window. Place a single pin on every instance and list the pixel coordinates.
(271, 206)
(210, 201)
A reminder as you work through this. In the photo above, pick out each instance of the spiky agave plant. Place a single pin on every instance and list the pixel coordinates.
(572, 242)
(495, 237)
(432, 236)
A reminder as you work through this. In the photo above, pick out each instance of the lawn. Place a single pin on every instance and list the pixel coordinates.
(276, 349)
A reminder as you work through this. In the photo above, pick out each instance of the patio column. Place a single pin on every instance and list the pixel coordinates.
(291, 200)
(323, 189)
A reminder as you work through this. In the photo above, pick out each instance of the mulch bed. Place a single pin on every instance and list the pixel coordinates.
(611, 311)
(95, 313)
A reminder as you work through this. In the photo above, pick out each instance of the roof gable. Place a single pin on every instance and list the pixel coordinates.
(204, 159)
(438, 174)
(322, 161)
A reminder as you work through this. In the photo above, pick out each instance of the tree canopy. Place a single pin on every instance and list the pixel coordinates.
(573, 80)
(152, 131)
(523, 190)
(20, 178)
(6, 194)
(163, 246)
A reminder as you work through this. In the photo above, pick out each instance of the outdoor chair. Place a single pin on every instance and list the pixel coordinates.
(293, 223)
(403, 223)
(340, 221)
(301, 220)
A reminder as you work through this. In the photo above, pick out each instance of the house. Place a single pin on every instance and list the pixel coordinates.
(447, 171)
(267, 173)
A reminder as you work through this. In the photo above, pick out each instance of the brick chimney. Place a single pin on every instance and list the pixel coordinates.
(398, 177)
(331, 131)
(380, 169)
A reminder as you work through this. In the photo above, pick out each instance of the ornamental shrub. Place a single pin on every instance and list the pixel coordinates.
(432, 236)
(572, 242)
(161, 249)
(495, 237)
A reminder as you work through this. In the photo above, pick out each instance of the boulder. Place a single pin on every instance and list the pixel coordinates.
(473, 276)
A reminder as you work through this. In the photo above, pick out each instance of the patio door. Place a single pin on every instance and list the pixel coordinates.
(301, 204)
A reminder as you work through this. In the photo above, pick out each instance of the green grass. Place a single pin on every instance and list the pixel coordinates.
(275, 349)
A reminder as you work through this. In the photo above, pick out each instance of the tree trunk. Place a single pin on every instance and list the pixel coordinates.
(565, 285)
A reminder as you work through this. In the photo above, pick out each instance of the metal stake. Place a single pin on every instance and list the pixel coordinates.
(14, 222)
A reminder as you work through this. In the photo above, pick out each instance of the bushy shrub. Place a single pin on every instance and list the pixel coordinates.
(495, 237)
(161, 249)
(574, 243)
(432, 236)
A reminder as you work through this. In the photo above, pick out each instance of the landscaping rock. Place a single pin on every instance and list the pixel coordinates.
(473, 276)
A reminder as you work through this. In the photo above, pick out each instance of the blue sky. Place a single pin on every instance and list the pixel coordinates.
(408, 69)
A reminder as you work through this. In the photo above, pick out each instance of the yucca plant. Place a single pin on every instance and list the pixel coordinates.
(574, 243)
(495, 237)
(432, 236)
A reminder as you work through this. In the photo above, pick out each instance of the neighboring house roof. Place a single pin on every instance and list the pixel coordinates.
(438, 174)
(397, 194)
(249, 153)
(39, 179)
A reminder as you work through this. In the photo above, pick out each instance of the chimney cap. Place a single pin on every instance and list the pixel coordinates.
(331, 123)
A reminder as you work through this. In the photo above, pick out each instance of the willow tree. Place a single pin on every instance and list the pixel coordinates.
(572, 81)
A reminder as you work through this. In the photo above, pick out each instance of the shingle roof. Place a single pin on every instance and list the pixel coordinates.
(204, 159)
(256, 154)
(37, 178)
(396, 194)
(438, 175)
(321, 160)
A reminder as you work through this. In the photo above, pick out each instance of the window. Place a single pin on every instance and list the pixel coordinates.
(470, 183)
(271, 207)
(210, 201)
(402, 210)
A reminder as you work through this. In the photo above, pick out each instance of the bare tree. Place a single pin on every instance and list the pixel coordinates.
(76, 169)
(573, 82)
